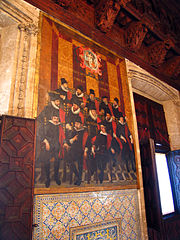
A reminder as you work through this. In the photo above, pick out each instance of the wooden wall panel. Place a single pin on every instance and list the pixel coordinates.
(151, 193)
(172, 228)
(151, 121)
(16, 178)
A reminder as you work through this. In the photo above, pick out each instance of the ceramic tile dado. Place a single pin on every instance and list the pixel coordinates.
(56, 214)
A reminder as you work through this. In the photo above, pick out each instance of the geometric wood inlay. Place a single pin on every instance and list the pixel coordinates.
(16, 177)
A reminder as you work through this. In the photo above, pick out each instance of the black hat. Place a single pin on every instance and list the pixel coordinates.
(78, 119)
(120, 115)
(76, 101)
(116, 99)
(104, 97)
(92, 106)
(63, 80)
(108, 111)
(91, 91)
(102, 123)
(55, 113)
(53, 96)
(80, 87)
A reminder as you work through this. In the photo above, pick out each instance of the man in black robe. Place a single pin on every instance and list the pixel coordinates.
(92, 102)
(64, 93)
(123, 133)
(93, 125)
(79, 96)
(73, 113)
(75, 144)
(109, 122)
(116, 108)
(104, 105)
(92, 122)
(102, 149)
(45, 115)
(42, 121)
(51, 148)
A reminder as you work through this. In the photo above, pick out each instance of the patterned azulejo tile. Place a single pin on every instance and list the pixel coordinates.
(56, 214)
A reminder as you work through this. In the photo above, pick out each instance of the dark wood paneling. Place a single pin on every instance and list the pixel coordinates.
(150, 182)
(151, 121)
(172, 228)
(16, 178)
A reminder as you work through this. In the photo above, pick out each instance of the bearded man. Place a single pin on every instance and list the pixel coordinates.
(75, 145)
(79, 96)
(52, 148)
(126, 142)
(116, 108)
(64, 93)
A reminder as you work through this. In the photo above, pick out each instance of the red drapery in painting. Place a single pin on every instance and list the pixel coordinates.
(103, 81)
(54, 62)
(79, 73)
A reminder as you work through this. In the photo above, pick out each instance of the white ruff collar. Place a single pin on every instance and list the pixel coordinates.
(64, 89)
(110, 120)
(75, 112)
(105, 134)
(115, 106)
(54, 105)
(92, 116)
(54, 123)
(81, 95)
(122, 123)
(91, 98)
(78, 130)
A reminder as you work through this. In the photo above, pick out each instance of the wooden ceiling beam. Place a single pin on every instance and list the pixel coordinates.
(106, 12)
(143, 47)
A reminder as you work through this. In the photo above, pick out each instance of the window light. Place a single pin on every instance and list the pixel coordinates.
(167, 204)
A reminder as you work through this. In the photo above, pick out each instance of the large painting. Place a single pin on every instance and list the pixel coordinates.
(84, 120)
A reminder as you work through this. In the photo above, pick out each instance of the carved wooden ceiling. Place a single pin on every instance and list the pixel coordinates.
(147, 32)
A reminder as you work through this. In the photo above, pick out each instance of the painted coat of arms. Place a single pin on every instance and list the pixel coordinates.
(90, 60)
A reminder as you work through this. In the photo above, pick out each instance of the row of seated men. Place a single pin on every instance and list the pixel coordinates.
(84, 141)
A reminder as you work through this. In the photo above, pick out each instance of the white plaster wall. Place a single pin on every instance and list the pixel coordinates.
(172, 114)
(7, 54)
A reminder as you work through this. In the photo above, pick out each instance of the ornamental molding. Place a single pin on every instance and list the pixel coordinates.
(134, 35)
(23, 72)
(156, 52)
(147, 78)
(29, 28)
(26, 18)
(106, 13)
(20, 13)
